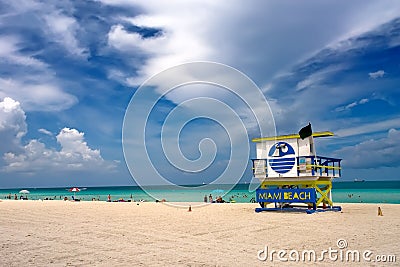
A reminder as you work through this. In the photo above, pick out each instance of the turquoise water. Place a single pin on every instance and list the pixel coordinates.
(367, 192)
(344, 192)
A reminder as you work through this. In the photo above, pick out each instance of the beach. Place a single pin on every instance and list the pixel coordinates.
(65, 233)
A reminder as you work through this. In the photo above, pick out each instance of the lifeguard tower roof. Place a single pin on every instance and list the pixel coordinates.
(291, 136)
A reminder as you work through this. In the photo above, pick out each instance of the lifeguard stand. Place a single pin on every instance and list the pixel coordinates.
(291, 172)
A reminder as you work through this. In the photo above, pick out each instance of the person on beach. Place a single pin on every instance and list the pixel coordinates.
(205, 198)
(219, 200)
(210, 198)
(109, 198)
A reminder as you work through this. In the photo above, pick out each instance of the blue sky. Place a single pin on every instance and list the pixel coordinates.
(69, 69)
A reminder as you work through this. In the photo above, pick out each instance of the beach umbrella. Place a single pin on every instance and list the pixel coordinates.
(24, 191)
(74, 189)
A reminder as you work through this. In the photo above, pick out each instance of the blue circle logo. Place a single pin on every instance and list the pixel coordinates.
(281, 157)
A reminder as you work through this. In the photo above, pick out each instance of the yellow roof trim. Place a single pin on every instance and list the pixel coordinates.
(291, 136)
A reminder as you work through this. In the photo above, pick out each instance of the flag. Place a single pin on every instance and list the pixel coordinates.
(305, 131)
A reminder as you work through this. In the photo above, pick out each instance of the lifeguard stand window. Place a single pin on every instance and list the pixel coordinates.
(260, 167)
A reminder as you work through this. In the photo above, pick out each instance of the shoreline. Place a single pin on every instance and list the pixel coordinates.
(177, 202)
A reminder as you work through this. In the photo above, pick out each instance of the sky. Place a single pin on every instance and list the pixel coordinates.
(69, 69)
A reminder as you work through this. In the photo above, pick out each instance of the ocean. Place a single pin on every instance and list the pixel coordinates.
(342, 192)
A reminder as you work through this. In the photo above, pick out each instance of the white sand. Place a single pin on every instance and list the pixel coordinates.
(58, 233)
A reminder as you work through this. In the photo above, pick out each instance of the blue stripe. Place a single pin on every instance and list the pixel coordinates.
(282, 163)
(281, 171)
(282, 168)
(282, 159)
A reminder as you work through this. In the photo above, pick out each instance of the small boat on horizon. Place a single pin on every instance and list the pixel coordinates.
(359, 180)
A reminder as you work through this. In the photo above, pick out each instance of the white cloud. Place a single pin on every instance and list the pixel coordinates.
(122, 40)
(44, 131)
(370, 128)
(364, 17)
(12, 125)
(30, 80)
(64, 30)
(377, 74)
(373, 154)
(352, 105)
(317, 77)
(30, 29)
(9, 53)
(12, 117)
(177, 44)
(54, 20)
(75, 154)
(37, 95)
(72, 141)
